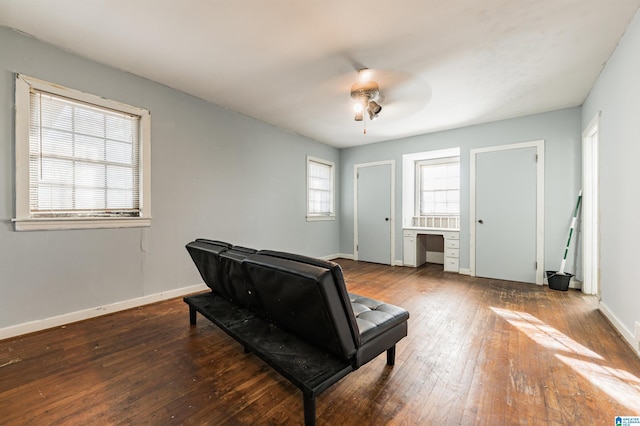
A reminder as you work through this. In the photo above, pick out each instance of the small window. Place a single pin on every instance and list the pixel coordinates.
(320, 189)
(81, 161)
(438, 193)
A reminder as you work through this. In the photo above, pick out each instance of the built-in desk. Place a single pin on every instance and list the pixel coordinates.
(415, 251)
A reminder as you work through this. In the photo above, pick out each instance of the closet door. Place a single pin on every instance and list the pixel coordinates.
(506, 216)
(373, 218)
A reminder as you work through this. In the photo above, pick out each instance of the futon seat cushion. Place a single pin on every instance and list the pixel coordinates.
(375, 317)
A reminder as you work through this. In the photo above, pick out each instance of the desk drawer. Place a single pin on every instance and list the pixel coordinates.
(452, 253)
(451, 265)
(453, 244)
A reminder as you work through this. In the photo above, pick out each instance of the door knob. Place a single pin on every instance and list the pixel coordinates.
(386, 218)
(481, 221)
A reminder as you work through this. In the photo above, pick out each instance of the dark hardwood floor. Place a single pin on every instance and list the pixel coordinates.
(479, 351)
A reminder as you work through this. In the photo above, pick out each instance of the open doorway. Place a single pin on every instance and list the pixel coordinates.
(590, 228)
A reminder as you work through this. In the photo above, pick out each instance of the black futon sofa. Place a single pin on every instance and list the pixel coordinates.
(295, 313)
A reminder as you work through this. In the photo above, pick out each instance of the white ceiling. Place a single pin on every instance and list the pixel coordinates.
(291, 63)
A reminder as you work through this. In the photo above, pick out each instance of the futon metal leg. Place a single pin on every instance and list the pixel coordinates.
(192, 315)
(309, 409)
(391, 355)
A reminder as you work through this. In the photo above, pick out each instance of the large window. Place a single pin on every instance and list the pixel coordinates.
(81, 161)
(320, 189)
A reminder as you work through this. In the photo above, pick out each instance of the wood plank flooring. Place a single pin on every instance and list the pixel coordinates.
(479, 352)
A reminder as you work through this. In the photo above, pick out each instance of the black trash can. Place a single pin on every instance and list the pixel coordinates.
(558, 281)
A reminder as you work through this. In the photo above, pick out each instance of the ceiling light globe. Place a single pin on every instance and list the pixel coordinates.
(364, 74)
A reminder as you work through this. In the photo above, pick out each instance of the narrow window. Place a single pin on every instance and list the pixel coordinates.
(320, 189)
(438, 193)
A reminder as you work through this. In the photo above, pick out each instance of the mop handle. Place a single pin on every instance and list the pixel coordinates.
(573, 225)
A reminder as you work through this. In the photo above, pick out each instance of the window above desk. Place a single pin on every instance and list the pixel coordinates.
(431, 189)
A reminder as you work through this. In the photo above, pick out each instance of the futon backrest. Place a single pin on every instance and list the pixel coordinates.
(338, 278)
(304, 298)
(206, 256)
(236, 281)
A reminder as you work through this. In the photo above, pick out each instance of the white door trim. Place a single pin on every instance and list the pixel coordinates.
(590, 240)
(392, 201)
(539, 145)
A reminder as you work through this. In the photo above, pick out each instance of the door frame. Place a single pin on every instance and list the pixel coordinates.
(392, 203)
(590, 207)
(539, 145)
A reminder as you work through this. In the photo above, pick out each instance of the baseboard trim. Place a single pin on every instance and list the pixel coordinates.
(620, 328)
(464, 271)
(60, 320)
(575, 284)
(351, 257)
(338, 256)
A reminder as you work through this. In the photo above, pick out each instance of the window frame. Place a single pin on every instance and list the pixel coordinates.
(409, 220)
(331, 215)
(419, 164)
(24, 220)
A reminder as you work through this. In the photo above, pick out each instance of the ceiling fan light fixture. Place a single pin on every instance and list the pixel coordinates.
(368, 90)
(364, 74)
(373, 109)
(362, 102)
(365, 93)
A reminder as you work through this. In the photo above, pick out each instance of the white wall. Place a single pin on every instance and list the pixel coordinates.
(617, 94)
(215, 174)
(561, 132)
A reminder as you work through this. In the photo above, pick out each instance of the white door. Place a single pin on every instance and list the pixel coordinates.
(506, 214)
(373, 230)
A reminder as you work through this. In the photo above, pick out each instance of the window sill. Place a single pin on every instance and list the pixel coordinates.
(60, 224)
(320, 218)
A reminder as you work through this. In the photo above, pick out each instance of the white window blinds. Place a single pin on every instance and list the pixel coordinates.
(320, 188)
(84, 160)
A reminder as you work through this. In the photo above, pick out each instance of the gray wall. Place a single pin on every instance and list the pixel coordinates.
(617, 94)
(215, 174)
(219, 174)
(561, 132)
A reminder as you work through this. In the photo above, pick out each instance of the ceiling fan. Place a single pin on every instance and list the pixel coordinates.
(382, 93)
(366, 93)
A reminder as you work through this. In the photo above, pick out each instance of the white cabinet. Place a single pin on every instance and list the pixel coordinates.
(415, 251)
(415, 247)
(409, 249)
(451, 251)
